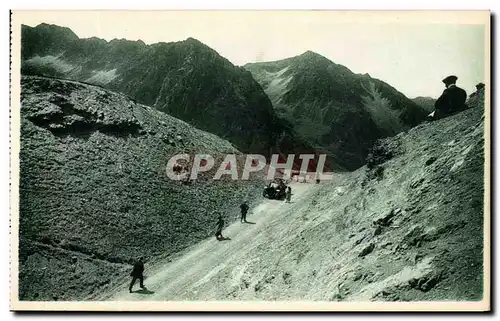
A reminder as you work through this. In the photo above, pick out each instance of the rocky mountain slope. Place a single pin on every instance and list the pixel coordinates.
(333, 108)
(94, 194)
(185, 79)
(406, 227)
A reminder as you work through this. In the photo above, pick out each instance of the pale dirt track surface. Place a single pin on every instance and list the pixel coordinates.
(211, 262)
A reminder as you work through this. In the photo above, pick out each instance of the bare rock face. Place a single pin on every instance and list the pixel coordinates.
(94, 194)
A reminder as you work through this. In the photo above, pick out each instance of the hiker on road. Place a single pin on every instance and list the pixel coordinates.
(137, 273)
(244, 211)
(288, 194)
(220, 226)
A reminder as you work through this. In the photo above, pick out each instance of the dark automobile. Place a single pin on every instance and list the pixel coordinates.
(275, 191)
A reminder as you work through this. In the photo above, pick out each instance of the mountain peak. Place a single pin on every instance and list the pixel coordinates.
(55, 29)
(195, 44)
(311, 54)
(192, 39)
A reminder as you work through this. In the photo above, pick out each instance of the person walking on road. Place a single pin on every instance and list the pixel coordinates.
(288, 194)
(220, 226)
(137, 273)
(244, 211)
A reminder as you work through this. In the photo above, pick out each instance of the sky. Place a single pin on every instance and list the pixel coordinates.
(411, 52)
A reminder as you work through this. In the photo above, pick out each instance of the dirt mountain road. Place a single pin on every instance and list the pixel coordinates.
(211, 268)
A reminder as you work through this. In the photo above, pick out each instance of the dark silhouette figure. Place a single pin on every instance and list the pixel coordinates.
(137, 273)
(288, 194)
(452, 100)
(244, 211)
(220, 225)
(282, 184)
(479, 88)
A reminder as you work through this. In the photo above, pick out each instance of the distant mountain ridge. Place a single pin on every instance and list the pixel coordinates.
(330, 105)
(425, 102)
(185, 79)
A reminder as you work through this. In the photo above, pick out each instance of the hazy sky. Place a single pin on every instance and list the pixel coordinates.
(406, 51)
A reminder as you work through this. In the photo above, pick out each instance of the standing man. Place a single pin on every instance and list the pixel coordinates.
(244, 211)
(137, 273)
(452, 100)
(288, 194)
(220, 226)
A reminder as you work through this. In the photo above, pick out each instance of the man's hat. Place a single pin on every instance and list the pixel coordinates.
(450, 80)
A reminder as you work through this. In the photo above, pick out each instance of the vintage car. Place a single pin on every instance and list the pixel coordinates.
(275, 191)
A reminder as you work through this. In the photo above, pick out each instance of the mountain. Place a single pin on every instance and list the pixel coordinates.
(185, 79)
(94, 194)
(426, 103)
(333, 108)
